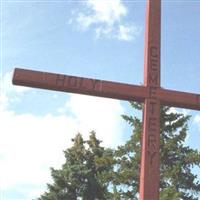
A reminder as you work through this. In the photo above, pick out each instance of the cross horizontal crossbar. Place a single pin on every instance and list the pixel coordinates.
(95, 87)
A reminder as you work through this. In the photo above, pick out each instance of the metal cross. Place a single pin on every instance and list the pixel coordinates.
(151, 94)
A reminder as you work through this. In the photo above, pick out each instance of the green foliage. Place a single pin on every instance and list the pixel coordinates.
(85, 173)
(92, 172)
(176, 159)
(170, 193)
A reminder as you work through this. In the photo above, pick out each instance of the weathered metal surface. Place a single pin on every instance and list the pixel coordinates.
(149, 175)
(151, 94)
(73, 84)
(149, 172)
(152, 44)
(179, 99)
(80, 85)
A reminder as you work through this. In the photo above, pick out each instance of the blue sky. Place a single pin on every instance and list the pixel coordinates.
(92, 38)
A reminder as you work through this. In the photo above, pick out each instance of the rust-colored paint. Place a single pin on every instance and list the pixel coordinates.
(151, 94)
(149, 170)
(73, 84)
(87, 86)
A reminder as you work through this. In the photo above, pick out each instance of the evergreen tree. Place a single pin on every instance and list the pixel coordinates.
(176, 159)
(92, 172)
(84, 175)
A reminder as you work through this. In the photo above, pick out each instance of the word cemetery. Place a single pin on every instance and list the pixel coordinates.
(151, 94)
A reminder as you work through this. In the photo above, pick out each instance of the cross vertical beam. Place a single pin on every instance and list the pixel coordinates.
(151, 94)
(149, 174)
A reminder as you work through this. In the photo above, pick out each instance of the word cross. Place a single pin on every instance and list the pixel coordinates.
(151, 94)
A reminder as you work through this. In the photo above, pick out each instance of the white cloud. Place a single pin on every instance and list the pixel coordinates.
(106, 18)
(9, 87)
(183, 111)
(99, 114)
(127, 33)
(30, 144)
(197, 120)
(10, 92)
(103, 11)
